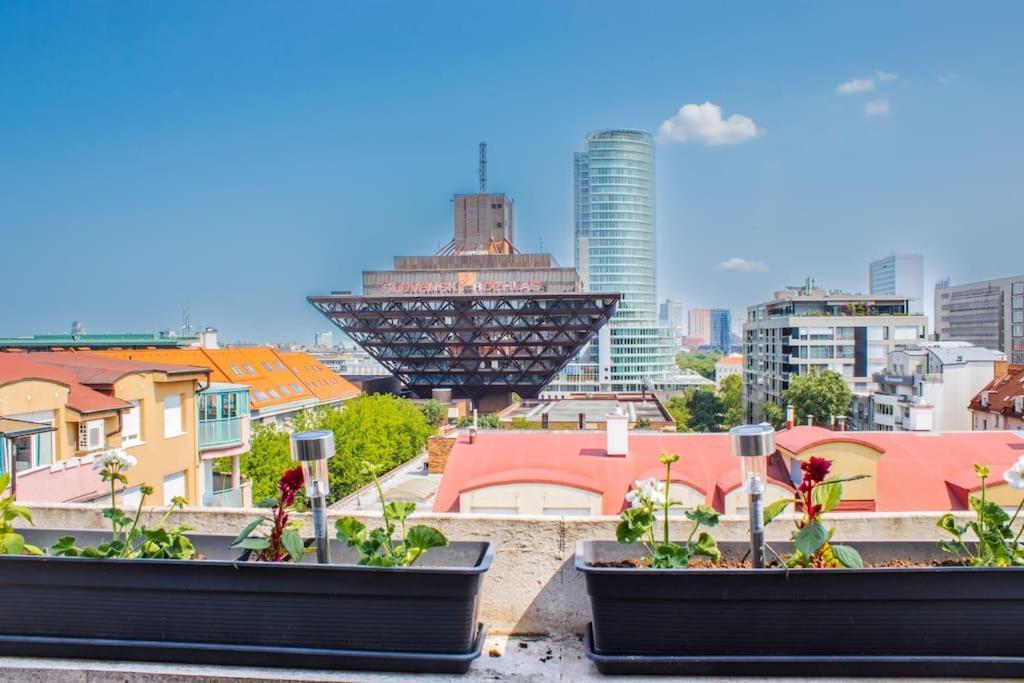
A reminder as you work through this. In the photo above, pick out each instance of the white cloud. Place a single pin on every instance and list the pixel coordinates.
(947, 78)
(855, 86)
(886, 76)
(704, 123)
(877, 108)
(742, 265)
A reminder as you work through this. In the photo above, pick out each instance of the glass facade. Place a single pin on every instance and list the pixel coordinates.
(615, 252)
(721, 329)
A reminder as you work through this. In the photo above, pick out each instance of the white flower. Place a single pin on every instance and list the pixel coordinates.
(1015, 475)
(647, 492)
(115, 455)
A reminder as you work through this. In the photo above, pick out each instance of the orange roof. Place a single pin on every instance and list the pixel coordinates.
(274, 379)
(731, 359)
(916, 471)
(327, 385)
(22, 367)
(94, 369)
(1002, 392)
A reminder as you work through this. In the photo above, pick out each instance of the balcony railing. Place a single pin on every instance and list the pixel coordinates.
(223, 432)
(236, 497)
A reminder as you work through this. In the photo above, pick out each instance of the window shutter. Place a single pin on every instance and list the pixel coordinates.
(83, 436)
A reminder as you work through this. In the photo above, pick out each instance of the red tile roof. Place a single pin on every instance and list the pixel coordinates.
(1003, 390)
(22, 367)
(94, 369)
(916, 471)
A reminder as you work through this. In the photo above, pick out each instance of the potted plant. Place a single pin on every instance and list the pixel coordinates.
(821, 608)
(256, 599)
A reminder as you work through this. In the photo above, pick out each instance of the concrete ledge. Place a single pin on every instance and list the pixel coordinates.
(532, 587)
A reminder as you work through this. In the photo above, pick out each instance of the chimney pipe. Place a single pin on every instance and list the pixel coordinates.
(841, 423)
(810, 420)
(617, 432)
(543, 420)
(475, 425)
(790, 416)
(832, 422)
(583, 420)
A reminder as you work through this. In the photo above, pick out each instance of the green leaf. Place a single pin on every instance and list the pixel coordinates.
(399, 510)
(670, 556)
(13, 543)
(776, 509)
(423, 538)
(828, 495)
(810, 538)
(267, 503)
(635, 524)
(707, 546)
(256, 544)
(847, 556)
(994, 514)
(350, 530)
(23, 512)
(249, 528)
(32, 550)
(293, 544)
(5, 481)
(947, 522)
(65, 546)
(703, 516)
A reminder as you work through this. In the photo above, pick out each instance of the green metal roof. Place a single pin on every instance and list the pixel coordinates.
(48, 341)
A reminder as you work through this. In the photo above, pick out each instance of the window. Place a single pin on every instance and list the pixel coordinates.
(279, 366)
(250, 369)
(35, 450)
(131, 425)
(131, 498)
(174, 487)
(296, 388)
(267, 366)
(173, 425)
(284, 390)
(91, 436)
(237, 370)
(228, 406)
(273, 393)
(260, 396)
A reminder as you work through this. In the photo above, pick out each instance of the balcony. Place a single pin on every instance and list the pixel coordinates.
(221, 432)
(237, 497)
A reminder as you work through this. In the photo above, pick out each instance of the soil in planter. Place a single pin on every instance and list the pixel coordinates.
(644, 563)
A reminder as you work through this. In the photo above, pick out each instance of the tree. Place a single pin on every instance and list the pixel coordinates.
(773, 414)
(706, 411)
(821, 394)
(268, 457)
(435, 412)
(485, 421)
(732, 401)
(701, 362)
(679, 408)
(642, 423)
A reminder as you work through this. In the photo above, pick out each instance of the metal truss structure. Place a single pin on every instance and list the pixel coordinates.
(473, 344)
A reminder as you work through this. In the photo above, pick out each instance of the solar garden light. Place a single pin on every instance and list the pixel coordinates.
(752, 444)
(312, 449)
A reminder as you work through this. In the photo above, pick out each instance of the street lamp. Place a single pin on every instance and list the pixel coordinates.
(752, 444)
(312, 449)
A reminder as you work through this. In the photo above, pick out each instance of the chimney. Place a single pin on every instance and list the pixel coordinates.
(474, 420)
(790, 416)
(583, 420)
(1000, 369)
(543, 420)
(617, 431)
(841, 423)
(810, 420)
(832, 422)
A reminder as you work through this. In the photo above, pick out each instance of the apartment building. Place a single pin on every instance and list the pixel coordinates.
(280, 384)
(726, 366)
(91, 404)
(1000, 403)
(988, 313)
(699, 320)
(806, 329)
(927, 387)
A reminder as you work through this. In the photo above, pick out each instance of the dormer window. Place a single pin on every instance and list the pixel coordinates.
(1018, 405)
(984, 399)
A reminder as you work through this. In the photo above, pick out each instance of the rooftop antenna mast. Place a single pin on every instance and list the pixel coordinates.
(483, 168)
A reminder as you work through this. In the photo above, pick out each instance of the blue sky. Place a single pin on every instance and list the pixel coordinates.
(234, 157)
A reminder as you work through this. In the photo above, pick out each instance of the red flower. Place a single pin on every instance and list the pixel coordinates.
(816, 469)
(289, 485)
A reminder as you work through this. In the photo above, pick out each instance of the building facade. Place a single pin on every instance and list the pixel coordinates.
(721, 329)
(927, 388)
(672, 314)
(726, 366)
(899, 274)
(614, 213)
(1000, 404)
(700, 325)
(806, 329)
(988, 313)
(94, 404)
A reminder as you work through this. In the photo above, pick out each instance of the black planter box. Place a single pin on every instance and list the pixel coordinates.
(221, 610)
(929, 621)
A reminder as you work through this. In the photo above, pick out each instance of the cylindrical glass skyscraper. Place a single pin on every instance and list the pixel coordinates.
(616, 252)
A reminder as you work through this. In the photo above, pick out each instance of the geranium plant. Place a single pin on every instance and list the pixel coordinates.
(817, 494)
(283, 543)
(130, 539)
(997, 544)
(11, 542)
(650, 501)
(377, 547)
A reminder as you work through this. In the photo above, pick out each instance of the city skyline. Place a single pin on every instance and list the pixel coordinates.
(164, 161)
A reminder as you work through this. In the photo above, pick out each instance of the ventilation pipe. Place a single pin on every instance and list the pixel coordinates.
(617, 431)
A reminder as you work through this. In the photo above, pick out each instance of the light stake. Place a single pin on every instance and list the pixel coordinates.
(312, 449)
(753, 444)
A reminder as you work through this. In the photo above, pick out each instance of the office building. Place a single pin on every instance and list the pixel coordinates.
(721, 329)
(805, 329)
(927, 388)
(479, 317)
(324, 340)
(1000, 403)
(901, 274)
(700, 325)
(988, 313)
(615, 252)
(672, 314)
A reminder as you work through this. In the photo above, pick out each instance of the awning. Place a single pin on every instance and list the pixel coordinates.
(13, 429)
